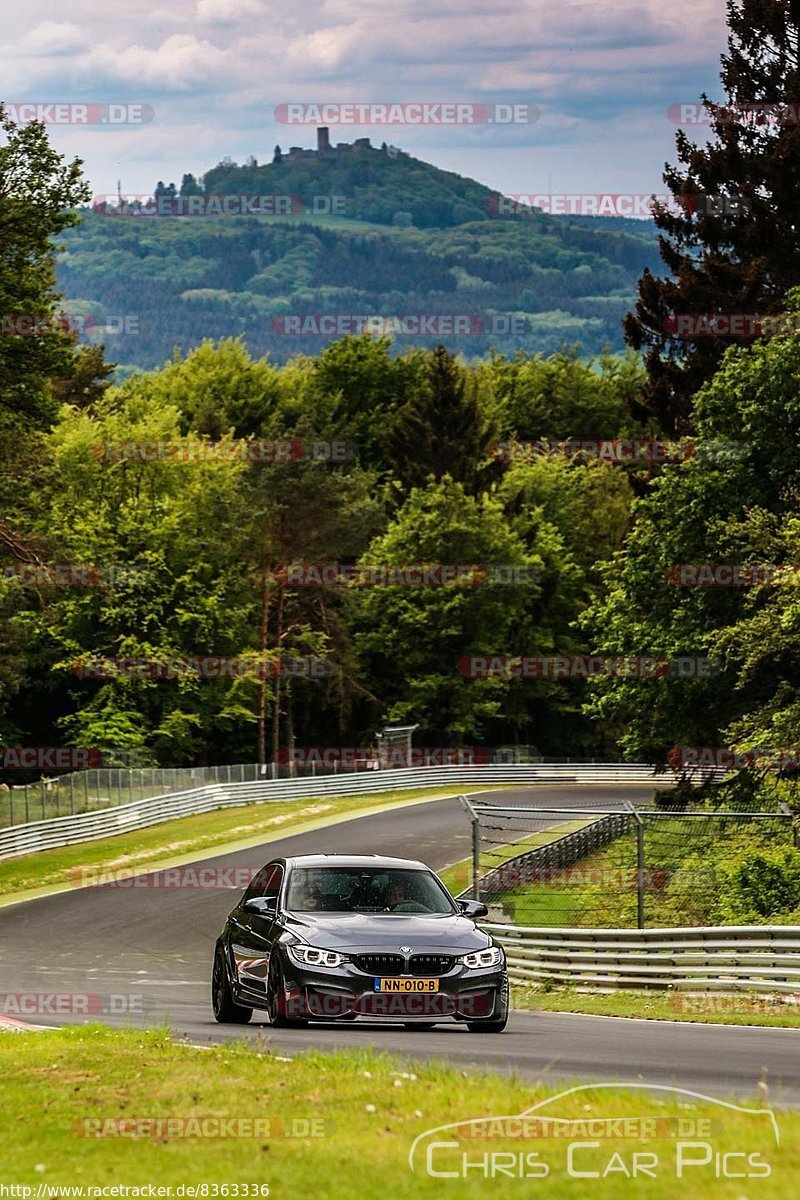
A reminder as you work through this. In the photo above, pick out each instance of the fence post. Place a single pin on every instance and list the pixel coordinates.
(476, 857)
(72, 793)
(639, 872)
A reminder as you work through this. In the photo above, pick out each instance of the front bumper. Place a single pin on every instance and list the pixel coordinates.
(344, 992)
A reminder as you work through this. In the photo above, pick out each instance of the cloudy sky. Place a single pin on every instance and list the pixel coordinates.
(602, 74)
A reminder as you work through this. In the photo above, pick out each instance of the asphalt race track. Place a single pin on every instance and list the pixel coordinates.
(152, 945)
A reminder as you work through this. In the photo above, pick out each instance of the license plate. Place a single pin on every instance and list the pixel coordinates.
(405, 984)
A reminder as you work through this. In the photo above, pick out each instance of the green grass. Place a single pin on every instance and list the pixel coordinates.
(742, 1008)
(368, 1110)
(188, 837)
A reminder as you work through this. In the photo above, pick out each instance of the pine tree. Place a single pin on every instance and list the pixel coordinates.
(442, 429)
(732, 241)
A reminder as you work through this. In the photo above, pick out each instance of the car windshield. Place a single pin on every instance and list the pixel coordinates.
(366, 890)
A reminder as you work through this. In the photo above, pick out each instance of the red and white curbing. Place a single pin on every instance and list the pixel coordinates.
(10, 1025)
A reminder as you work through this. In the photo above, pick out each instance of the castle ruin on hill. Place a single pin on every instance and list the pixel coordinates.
(324, 148)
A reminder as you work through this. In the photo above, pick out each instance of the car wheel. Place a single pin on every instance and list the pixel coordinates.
(276, 998)
(226, 1010)
(488, 1026)
(495, 1024)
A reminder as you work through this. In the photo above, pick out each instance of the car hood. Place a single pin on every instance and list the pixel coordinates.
(359, 932)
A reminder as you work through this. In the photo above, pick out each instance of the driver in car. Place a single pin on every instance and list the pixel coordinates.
(309, 897)
(394, 895)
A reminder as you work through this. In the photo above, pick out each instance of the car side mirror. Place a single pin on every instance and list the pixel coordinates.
(261, 906)
(473, 908)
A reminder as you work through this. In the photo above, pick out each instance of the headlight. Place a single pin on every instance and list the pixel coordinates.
(311, 956)
(484, 958)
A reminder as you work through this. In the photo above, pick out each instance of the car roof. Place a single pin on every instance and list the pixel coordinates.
(353, 860)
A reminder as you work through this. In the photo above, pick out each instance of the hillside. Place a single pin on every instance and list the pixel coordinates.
(534, 283)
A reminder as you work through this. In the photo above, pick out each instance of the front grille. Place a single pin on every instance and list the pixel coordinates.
(396, 964)
(430, 964)
(381, 964)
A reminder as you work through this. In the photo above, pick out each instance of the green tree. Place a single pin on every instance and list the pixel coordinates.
(735, 502)
(733, 244)
(443, 428)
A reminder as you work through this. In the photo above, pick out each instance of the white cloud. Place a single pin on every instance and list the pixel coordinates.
(180, 63)
(52, 37)
(227, 12)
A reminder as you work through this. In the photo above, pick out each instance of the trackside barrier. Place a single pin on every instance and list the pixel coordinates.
(758, 958)
(560, 853)
(89, 826)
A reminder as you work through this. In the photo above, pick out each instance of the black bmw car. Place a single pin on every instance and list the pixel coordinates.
(334, 937)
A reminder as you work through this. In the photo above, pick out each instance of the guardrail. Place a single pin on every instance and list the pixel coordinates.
(89, 826)
(760, 958)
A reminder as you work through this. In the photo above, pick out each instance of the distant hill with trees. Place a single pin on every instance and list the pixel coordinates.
(372, 232)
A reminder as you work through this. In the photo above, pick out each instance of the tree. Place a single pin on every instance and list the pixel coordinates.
(738, 502)
(190, 186)
(90, 379)
(443, 428)
(732, 245)
(38, 193)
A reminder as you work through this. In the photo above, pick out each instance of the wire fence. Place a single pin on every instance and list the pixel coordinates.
(628, 867)
(107, 787)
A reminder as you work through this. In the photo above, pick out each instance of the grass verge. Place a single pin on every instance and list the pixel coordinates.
(367, 1110)
(186, 838)
(743, 1008)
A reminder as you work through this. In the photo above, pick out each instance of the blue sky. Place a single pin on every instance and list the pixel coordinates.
(602, 73)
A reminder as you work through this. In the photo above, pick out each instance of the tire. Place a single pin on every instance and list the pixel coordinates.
(276, 998)
(226, 1010)
(495, 1024)
(488, 1026)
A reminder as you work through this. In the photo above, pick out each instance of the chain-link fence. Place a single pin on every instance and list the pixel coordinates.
(107, 787)
(620, 868)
